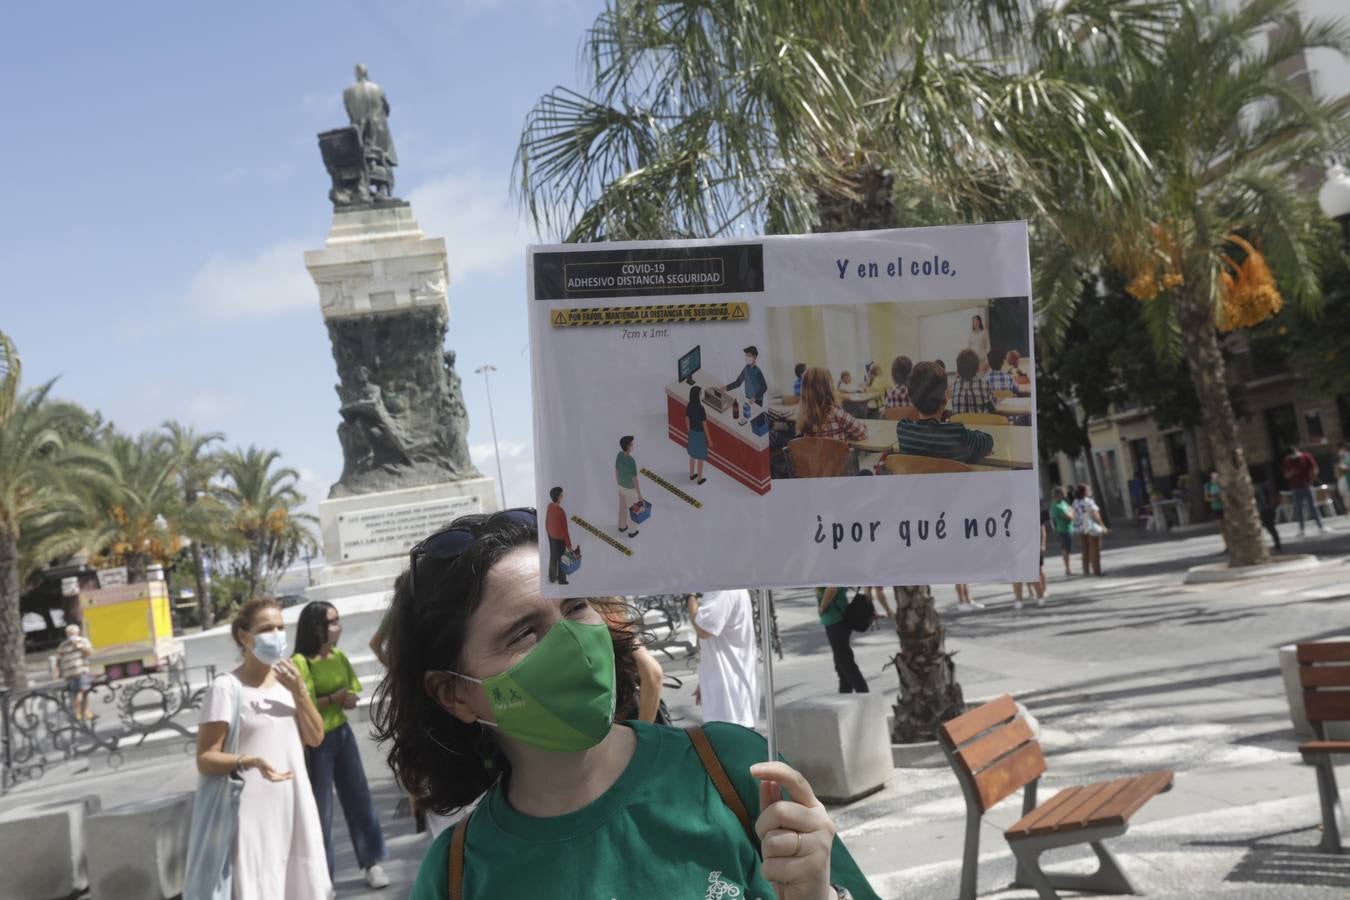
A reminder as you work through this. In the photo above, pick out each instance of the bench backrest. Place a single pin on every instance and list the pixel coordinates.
(992, 751)
(1324, 673)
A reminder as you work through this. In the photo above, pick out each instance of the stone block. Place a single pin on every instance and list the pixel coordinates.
(1293, 692)
(839, 743)
(138, 851)
(42, 850)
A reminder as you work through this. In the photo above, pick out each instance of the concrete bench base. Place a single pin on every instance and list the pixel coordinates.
(42, 850)
(838, 742)
(138, 851)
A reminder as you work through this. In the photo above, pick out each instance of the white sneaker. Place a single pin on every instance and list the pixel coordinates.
(960, 609)
(975, 604)
(1017, 604)
(1040, 603)
(376, 878)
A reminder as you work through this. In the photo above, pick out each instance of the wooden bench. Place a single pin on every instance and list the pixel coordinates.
(994, 754)
(1324, 673)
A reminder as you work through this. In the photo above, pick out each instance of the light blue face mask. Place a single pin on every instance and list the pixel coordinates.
(270, 647)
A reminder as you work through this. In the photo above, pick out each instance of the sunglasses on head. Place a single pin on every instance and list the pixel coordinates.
(450, 542)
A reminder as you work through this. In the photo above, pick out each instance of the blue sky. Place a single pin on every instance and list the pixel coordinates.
(163, 181)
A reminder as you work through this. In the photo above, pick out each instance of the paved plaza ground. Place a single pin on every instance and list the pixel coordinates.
(1126, 673)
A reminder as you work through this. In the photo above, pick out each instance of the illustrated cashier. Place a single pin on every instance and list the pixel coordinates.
(752, 377)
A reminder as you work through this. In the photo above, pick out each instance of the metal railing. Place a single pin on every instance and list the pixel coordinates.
(39, 728)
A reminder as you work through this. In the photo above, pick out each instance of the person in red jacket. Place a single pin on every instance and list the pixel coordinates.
(1300, 470)
(559, 539)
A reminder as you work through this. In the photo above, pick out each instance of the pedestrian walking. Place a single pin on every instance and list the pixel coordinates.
(1037, 587)
(963, 602)
(496, 692)
(1087, 521)
(830, 605)
(72, 664)
(278, 851)
(1061, 517)
(335, 764)
(1267, 502)
(1214, 494)
(728, 679)
(1300, 470)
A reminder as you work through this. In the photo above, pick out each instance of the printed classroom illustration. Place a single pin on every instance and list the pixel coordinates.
(714, 409)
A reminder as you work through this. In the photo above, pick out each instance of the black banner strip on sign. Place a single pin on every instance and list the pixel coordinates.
(602, 536)
(733, 311)
(651, 271)
(672, 488)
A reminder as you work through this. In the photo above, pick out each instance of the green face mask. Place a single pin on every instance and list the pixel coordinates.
(561, 695)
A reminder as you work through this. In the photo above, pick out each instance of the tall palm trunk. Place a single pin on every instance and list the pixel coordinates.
(929, 692)
(12, 672)
(1242, 524)
(206, 612)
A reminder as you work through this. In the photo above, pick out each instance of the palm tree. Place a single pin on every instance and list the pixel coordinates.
(1230, 135)
(33, 494)
(194, 467)
(133, 514)
(794, 115)
(263, 501)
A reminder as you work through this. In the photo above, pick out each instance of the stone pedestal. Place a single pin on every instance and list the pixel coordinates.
(838, 742)
(366, 538)
(406, 470)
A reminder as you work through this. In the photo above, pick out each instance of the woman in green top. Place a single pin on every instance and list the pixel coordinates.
(495, 691)
(830, 604)
(336, 763)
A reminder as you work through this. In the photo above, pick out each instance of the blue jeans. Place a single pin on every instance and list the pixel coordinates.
(336, 763)
(1302, 496)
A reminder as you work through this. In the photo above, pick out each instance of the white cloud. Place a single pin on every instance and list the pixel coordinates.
(517, 469)
(270, 283)
(482, 230)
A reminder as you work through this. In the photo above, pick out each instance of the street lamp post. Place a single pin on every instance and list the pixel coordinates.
(501, 483)
(1334, 198)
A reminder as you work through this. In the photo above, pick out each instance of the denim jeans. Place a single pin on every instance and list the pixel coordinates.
(336, 763)
(1302, 497)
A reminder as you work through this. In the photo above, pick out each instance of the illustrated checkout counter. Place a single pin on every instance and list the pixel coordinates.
(738, 445)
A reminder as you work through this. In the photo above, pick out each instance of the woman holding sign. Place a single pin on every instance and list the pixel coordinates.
(495, 690)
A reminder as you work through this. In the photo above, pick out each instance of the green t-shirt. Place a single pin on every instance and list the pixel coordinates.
(661, 830)
(327, 676)
(835, 611)
(1061, 515)
(626, 467)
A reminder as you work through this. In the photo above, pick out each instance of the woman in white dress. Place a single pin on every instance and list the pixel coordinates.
(979, 339)
(278, 850)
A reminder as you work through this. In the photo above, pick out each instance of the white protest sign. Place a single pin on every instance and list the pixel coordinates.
(112, 577)
(756, 379)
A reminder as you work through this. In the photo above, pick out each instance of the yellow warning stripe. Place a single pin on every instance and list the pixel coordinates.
(729, 311)
(602, 536)
(672, 488)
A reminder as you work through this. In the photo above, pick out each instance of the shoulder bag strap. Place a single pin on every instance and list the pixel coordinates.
(708, 756)
(233, 738)
(457, 858)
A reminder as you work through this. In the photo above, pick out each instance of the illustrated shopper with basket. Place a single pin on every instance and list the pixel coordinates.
(562, 553)
(630, 492)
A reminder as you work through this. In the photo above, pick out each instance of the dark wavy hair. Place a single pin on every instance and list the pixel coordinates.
(443, 762)
(311, 632)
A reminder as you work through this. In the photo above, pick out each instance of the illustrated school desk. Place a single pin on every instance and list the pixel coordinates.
(733, 449)
(1012, 443)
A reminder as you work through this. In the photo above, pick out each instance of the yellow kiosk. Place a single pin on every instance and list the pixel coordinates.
(131, 629)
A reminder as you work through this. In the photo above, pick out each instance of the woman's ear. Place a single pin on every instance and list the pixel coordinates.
(449, 695)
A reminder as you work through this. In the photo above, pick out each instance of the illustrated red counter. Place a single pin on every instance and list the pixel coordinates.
(735, 450)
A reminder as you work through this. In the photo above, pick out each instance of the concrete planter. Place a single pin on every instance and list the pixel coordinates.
(837, 743)
(42, 850)
(1293, 692)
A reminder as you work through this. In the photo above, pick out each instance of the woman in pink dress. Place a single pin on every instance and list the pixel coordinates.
(278, 849)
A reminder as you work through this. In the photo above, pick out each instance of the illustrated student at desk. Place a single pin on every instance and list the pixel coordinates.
(752, 377)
